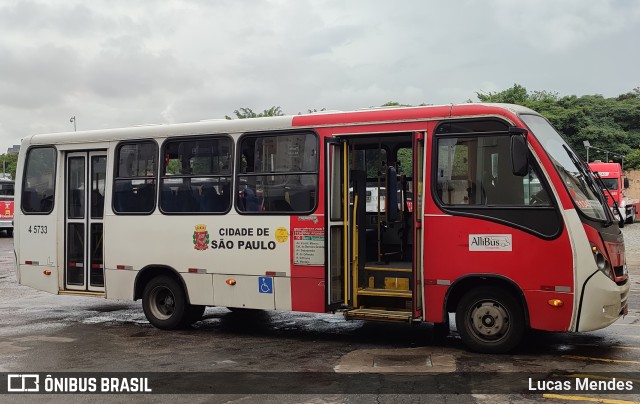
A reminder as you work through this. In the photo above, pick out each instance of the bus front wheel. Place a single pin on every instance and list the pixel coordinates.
(164, 303)
(490, 320)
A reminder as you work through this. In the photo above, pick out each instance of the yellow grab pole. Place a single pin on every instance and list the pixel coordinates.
(354, 240)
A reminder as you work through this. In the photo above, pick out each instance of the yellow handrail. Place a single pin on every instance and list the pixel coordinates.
(354, 240)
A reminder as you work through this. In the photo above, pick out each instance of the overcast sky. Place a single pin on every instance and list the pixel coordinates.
(120, 62)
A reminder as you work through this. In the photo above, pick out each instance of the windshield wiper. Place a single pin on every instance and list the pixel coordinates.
(605, 188)
(586, 174)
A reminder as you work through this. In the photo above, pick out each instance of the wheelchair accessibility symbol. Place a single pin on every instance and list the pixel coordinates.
(265, 284)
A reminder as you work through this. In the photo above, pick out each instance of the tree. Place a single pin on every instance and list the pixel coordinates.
(514, 95)
(395, 104)
(8, 163)
(244, 113)
(611, 124)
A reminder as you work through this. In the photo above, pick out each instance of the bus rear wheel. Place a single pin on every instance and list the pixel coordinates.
(490, 320)
(164, 303)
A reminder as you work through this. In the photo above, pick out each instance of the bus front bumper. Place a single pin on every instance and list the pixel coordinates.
(602, 303)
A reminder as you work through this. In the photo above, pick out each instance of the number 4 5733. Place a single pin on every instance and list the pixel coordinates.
(37, 229)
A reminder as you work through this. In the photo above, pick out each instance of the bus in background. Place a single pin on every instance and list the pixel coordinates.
(613, 185)
(6, 205)
(487, 214)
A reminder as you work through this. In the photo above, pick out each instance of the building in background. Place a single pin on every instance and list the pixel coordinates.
(15, 149)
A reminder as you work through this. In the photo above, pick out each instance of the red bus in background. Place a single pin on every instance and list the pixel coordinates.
(613, 185)
(6, 205)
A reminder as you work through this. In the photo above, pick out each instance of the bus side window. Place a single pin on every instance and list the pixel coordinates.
(196, 175)
(278, 173)
(144, 197)
(30, 200)
(476, 170)
(122, 194)
(135, 178)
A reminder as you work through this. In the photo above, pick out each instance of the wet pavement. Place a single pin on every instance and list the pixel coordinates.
(40, 332)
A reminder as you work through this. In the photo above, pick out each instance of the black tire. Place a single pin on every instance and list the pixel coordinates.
(10, 232)
(164, 303)
(490, 320)
(631, 218)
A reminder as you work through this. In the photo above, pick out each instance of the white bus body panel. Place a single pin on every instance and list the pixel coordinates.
(40, 246)
(603, 297)
(245, 292)
(41, 250)
(282, 291)
(168, 240)
(119, 284)
(602, 305)
(199, 288)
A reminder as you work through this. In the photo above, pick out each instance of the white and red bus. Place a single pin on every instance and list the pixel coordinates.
(6, 205)
(507, 228)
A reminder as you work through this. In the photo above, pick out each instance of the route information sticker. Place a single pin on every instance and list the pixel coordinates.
(308, 246)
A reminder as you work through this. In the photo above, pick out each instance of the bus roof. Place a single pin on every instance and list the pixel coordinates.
(404, 114)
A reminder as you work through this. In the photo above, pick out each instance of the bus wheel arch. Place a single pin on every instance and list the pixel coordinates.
(481, 301)
(165, 298)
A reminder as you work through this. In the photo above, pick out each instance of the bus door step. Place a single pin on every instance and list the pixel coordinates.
(406, 294)
(380, 315)
(388, 268)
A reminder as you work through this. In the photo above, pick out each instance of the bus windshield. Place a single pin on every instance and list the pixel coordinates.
(610, 183)
(6, 187)
(578, 180)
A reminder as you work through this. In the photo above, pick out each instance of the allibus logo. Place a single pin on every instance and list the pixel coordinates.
(490, 242)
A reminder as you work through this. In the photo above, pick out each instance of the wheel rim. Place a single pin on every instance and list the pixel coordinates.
(489, 320)
(162, 303)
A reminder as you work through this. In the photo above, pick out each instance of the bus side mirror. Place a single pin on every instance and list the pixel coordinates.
(625, 182)
(519, 152)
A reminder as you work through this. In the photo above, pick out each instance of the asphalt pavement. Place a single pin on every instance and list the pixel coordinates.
(40, 333)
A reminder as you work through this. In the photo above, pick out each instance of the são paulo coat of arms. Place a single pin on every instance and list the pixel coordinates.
(201, 237)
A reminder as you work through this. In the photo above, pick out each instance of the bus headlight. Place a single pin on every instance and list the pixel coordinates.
(601, 262)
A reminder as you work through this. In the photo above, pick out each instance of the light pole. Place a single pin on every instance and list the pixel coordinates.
(621, 160)
(587, 146)
(73, 119)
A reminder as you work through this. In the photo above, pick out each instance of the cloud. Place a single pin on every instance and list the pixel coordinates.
(125, 69)
(120, 63)
(37, 76)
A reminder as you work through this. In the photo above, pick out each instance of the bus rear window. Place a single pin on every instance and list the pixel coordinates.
(39, 181)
